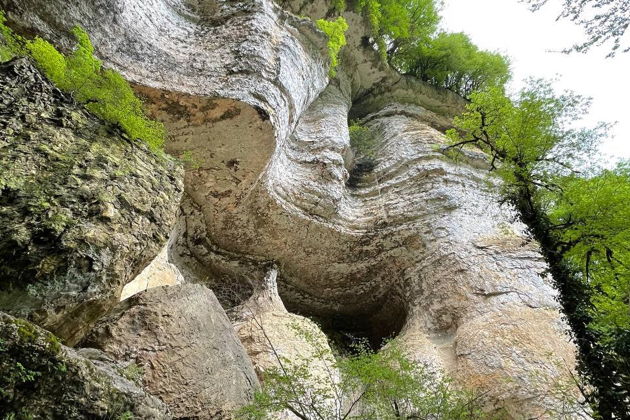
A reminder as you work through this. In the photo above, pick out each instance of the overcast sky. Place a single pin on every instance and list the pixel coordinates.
(532, 40)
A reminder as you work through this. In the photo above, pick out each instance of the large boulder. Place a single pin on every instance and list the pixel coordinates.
(83, 208)
(43, 379)
(185, 346)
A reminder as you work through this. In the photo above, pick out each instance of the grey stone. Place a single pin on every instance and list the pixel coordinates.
(418, 245)
(83, 209)
(42, 379)
(185, 345)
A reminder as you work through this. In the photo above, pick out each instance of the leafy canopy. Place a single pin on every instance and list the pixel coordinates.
(335, 31)
(395, 22)
(103, 91)
(452, 61)
(578, 213)
(604, 21)
(594, 213)
(532, 135)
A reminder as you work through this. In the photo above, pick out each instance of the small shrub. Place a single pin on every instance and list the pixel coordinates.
(103, 91)
(369, 385)
(133, 372)
(335, 30)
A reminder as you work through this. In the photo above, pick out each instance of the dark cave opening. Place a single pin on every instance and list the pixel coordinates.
(346, 331)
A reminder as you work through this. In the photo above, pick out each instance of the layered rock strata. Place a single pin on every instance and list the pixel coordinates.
(415, 246)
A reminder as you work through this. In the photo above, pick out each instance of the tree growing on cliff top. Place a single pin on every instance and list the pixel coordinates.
(578, 216)
(452, 61)
(394, 23)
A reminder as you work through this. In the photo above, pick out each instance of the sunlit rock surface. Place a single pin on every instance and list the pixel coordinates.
(416, 247)
(183, 343)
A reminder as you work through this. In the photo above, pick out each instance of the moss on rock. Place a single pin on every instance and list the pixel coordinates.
(83, 208)
(42, 379)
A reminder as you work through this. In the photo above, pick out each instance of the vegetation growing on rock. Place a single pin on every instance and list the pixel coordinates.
(72, 188)
(578, 213)
(361, 385)
(103, 91)
(41, 379)
(396, 22)
(335, 31)
(452, 61)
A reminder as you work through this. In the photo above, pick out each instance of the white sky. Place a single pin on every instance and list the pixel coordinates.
(530, 39)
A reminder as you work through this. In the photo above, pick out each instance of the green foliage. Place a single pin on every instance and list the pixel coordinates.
(531, 135)
(362, 141)
(364, 385)
(452, 61)
(10, 44)
(396, 22)
(127, 415)
(604, 21)
(335, 30)
(26, 356)
(577, 213)
(338, 6)
(593, 213)
(104, 91)
(133, 372)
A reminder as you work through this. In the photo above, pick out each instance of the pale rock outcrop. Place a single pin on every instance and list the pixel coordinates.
(415, 246)
(161, 272)
(185, 345)
(43, 379)
(277, 339)
(83, 209)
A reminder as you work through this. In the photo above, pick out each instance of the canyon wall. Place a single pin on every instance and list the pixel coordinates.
(280, 220)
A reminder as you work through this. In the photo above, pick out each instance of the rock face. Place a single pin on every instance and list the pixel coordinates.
(43, 379)
(277, 339)
(415, 245)
(185, 345)
(82, 208)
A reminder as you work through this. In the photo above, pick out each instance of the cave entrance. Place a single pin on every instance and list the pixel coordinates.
(370, 328)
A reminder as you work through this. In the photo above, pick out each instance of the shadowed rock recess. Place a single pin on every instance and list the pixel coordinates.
(416, 245)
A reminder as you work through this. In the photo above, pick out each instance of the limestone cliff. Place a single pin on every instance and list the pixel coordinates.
(417, 246)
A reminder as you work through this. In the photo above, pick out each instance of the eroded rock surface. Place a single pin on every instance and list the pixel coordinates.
(43, 379)
(83, 209)
(183, 343)
(277, 339)
(416, 245)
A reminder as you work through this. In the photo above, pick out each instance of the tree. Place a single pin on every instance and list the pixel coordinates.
(396, 22)
(579, 217)
(603, 20)
(362, 385)
(452, 61)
